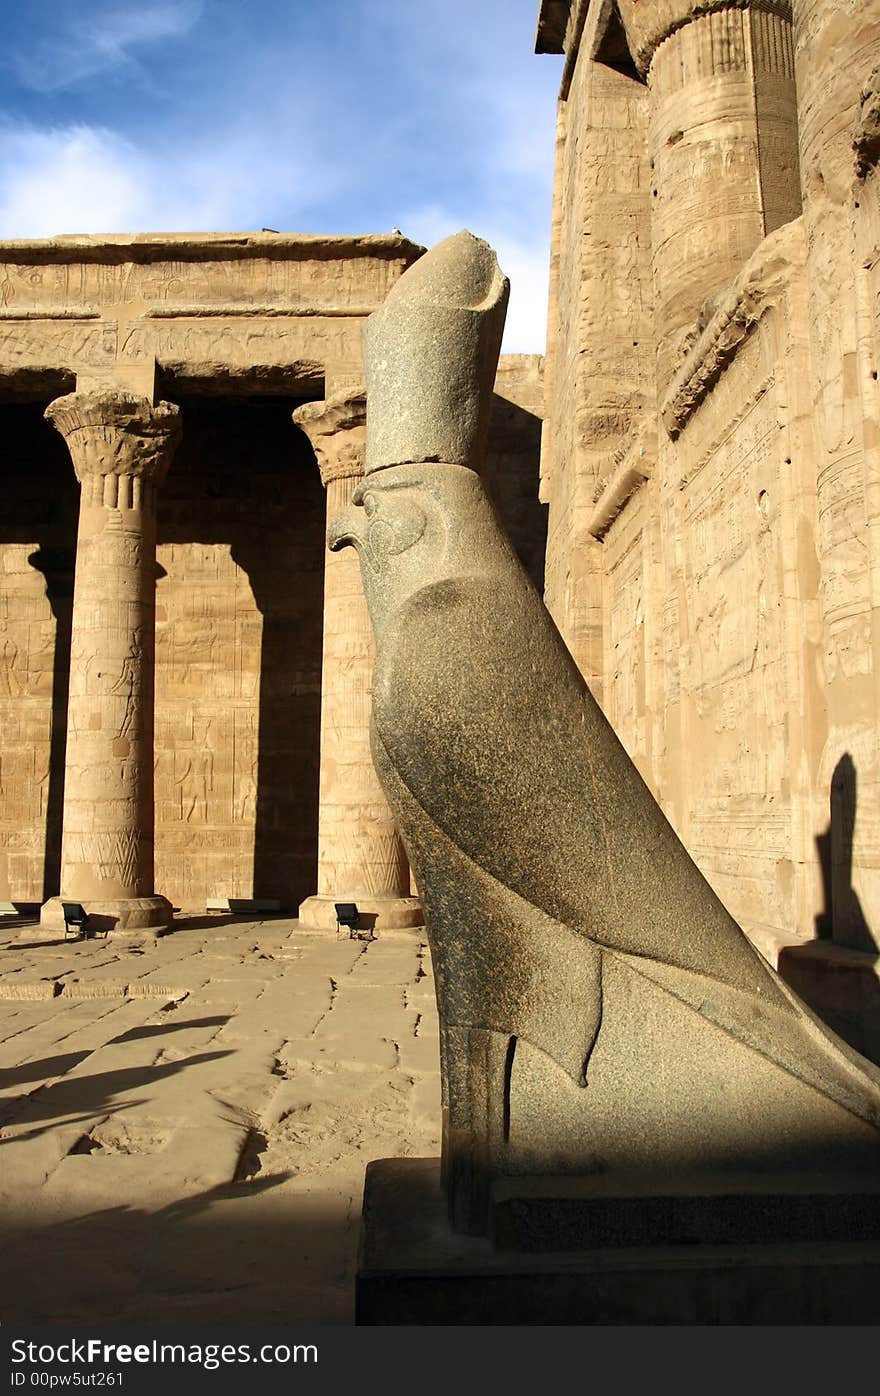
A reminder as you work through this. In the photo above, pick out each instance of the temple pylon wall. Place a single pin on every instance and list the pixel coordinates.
(728, 523)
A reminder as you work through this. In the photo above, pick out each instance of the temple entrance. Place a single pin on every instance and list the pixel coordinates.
(238, 655)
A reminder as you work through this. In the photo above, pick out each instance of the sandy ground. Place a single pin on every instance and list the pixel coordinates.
(185, 1123)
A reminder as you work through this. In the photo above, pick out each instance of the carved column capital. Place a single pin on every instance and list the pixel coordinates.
(337, 429)
(114, 433)
(649, 22)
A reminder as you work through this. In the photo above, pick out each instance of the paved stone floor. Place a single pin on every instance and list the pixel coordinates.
(184, 1123)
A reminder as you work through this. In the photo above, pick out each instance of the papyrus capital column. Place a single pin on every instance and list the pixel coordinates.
(361, 857)
(121, 447)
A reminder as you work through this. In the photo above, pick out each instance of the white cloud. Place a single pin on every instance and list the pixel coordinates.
(525, 331)
(95, 43)
(85, 179)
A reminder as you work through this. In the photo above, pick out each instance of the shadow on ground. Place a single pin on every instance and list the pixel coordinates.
(244, 1252)
(84, 1097)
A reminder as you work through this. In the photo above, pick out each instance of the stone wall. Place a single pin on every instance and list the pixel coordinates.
(238, 329)
(717, 580)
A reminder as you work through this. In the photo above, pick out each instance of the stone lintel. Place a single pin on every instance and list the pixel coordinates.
(111, 432)
(733, 314)
(336, 427)
(552, 23)
(160, 247)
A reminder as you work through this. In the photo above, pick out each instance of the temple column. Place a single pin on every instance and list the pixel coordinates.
(361, 857)
(121, 447)
(723, 146)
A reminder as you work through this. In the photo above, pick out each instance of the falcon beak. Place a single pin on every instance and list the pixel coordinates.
(343, 530)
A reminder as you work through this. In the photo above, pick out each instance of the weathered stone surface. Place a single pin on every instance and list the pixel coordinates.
(575, 942)
(417, 411)
(715, 191)
(238, 664)
(415, 1270)
(217, 311)
(866, 131)
(157, 1147)
(712, 538)
(511, 471)
(650, 22)
(337, 429)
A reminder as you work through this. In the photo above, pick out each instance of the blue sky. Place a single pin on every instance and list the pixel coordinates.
(338, 116)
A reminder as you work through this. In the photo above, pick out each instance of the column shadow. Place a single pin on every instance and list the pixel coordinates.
(512, 478)
(842, 917)
(835, 974)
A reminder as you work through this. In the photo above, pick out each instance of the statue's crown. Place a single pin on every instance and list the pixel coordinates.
(430, 356)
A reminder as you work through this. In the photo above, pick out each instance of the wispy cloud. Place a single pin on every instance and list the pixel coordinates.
(100, 40)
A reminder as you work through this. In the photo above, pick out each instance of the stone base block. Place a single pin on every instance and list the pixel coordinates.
(414, 1270)
(541, 1214)
(376, 913)
(126, 915)
(840, 985)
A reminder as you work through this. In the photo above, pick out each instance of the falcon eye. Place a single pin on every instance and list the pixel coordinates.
(370, 505)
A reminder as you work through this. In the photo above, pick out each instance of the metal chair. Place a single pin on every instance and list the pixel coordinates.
(75, 918)
(347, 915)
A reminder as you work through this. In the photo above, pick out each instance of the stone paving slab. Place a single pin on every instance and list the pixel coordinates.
(70, 1027)
(185, 1122)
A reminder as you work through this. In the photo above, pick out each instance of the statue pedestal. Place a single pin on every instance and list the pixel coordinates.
(414, 1270)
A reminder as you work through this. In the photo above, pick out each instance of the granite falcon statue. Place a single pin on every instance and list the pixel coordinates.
(601, 1012)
